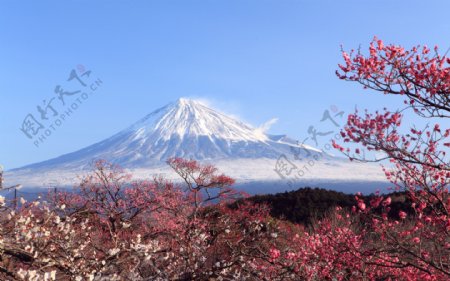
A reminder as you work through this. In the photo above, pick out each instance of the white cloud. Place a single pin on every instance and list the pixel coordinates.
(267, 125)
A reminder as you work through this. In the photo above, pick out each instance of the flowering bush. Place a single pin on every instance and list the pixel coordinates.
(114, 228)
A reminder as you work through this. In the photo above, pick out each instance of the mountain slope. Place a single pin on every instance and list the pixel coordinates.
(186, 128)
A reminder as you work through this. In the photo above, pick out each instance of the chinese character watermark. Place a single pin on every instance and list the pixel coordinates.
(40, 125)
(320, 137)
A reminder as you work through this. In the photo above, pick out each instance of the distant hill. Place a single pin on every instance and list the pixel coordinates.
(308, 204)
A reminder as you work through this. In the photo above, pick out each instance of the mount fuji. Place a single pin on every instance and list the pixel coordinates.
(190, 129)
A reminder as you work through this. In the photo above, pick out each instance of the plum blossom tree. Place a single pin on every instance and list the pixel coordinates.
(114, 228)
(419, 162)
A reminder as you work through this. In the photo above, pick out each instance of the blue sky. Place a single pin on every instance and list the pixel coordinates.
(256, 59)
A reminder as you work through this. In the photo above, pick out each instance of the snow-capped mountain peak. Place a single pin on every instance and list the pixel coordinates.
(185, 128)
(187, 118)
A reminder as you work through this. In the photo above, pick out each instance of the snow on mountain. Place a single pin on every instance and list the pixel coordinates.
(188, 128)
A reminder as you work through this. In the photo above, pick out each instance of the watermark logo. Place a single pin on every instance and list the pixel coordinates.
(320, 136)
(54, 111)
